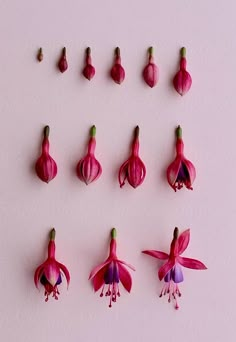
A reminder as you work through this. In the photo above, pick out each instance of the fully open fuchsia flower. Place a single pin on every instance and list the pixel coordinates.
(117, 71)
(110, 273)
(89, 169)
(182, 80)
(62, 64)
(89, 70)
(46, 167)
(49, 274)
(133, 169)
(151, 71)
(181, 171)
(171, 271)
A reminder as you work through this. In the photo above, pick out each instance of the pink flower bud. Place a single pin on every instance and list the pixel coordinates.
(117, 71)
(182, 80)
(151, 71)
(46, 167)
(89, 168)
(89, 70)
(181, 171)
(62, 64)
(133, 169)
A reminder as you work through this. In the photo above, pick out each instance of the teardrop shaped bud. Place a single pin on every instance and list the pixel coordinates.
(117, 71)
(182, 80)
(89, 70)
(151, 71)
(62, 64)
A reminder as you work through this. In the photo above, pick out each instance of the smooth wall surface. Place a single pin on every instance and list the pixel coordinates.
(33, 95)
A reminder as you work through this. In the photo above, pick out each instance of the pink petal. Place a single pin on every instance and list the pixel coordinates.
(98, 279)
(166, 268)
(183, 241)
(98, 268)
(65, 271)
(191, 263)
(125, 263)
(38, 274)
(157, 254)
(125, 278)
(173, 170)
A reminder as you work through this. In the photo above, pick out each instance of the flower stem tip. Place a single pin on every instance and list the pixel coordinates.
(93, 131)
(113, 233)
(183, 52)
(52, 234)
(179, 132)
(46, 131)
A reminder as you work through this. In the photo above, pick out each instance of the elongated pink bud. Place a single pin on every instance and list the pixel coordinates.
(46, 167)
(62, 64)
(89, 70)
(117, 71)
(133, 169)
(182, 80)
(88, 168)
(151, 71)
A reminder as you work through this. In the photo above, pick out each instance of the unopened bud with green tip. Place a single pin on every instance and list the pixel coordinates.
(151, 71)
(89, 70)
(182, 80)
(117, 71)
(62, 64)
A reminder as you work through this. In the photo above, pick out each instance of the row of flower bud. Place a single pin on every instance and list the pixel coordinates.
(108, 275)
(182, 80)
(180, 172)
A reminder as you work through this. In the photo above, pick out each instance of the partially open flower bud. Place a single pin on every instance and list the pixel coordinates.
(117, 71)
(133, 169)
(46, 167)
(182, 80)
(62, 64)
(89, 70)
(89, 169)
(151, 71)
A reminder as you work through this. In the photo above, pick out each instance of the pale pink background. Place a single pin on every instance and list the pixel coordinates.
(34, 94)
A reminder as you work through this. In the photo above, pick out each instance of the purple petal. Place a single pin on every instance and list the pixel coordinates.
(167, 277)
(177, 274)
(112, 274)
(183, 174)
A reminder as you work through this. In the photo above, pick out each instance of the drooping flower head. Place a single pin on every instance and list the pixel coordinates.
(46, 167)
(62, 64)
(181, 171)
(88, 168)
(89, 70)
(171, 271)
(182, 80)
(117, 71)
(50, 273)
(151, 71)
(133, 169)
(110, 273)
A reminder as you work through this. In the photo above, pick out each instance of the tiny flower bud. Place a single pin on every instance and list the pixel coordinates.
(182, 80)
(40, 55)
(89, 70)
(62, 64)
(151, 71)
(117, 71)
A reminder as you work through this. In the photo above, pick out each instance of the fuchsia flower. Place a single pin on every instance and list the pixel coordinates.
(151, 71)
(182, 80)
(89, 70)
(49, 274)
(46, 167)
(62, 64)
(171, 271)
(110, 273)
(181, 171)
(89, 169)
(133, 169)
(117, 71)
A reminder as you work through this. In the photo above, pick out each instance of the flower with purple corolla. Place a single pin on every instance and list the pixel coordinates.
(62, 64)
(89, 70)
(117, 71)
(171, 271)
(110, 273)
(46, 167)
(181, 171)
(88, 168)
(49, 274)
(151, 71)
(133, 169)
(182, 80)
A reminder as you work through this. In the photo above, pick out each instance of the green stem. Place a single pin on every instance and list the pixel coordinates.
(117, 51)
(136, 132)
(46, 131)
(183, 52)
(113, 233)
(52, 234)
(179, 132)
(93, 131)
(151, 51)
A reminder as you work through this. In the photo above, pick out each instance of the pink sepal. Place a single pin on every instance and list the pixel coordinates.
(66, 273)
(166, 268)
(125, 263)
(191, 263)
(98, 268)
(157, 254)
(125, 278)
(183, 241)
